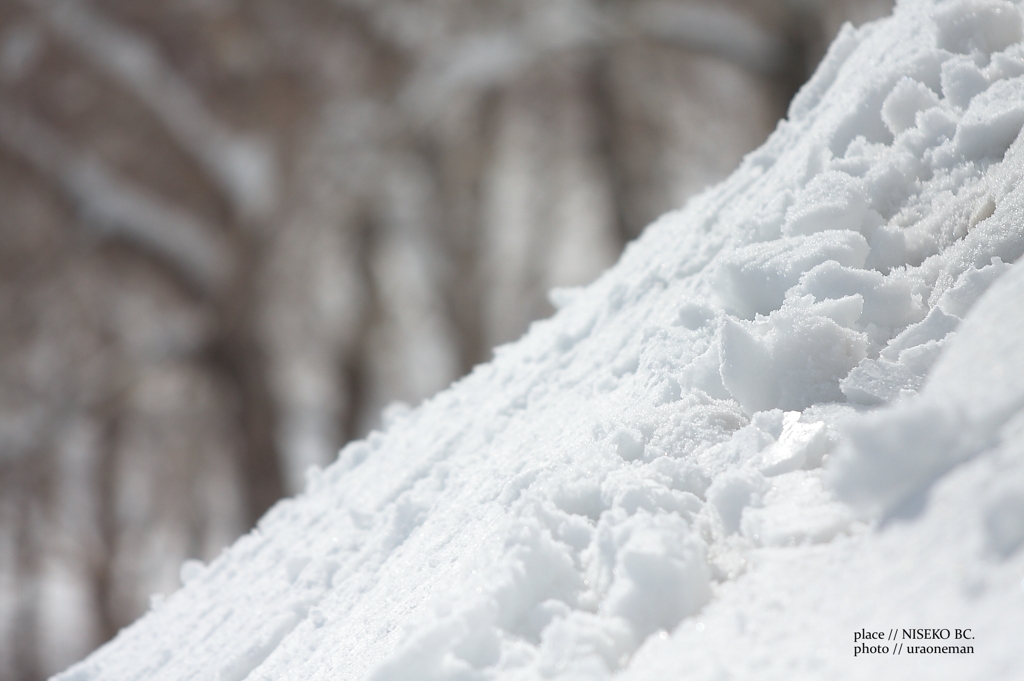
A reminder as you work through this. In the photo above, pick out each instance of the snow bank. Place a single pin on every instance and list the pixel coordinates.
(793, 410)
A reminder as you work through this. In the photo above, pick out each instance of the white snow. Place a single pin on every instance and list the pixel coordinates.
(793, 411)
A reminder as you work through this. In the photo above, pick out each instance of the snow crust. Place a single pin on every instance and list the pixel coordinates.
(792, 410)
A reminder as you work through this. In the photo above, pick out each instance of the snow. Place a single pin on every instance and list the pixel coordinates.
(793, 411)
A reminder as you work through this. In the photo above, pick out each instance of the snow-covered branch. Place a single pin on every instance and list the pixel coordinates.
(714, 29)
(480, 59)
(115, 207)
(243, 166)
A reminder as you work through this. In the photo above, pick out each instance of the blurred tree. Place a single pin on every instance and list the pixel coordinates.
(231, 232)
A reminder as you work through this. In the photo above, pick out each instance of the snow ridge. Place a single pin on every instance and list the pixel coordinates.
(691, 429)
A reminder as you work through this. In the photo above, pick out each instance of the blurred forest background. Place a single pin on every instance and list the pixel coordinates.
(232, 231)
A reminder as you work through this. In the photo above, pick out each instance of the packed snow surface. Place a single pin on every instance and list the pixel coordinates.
(792, 412)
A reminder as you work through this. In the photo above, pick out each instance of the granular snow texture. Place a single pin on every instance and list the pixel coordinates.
(792, 411)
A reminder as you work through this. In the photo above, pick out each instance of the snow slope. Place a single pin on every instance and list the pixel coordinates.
(793, 410)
